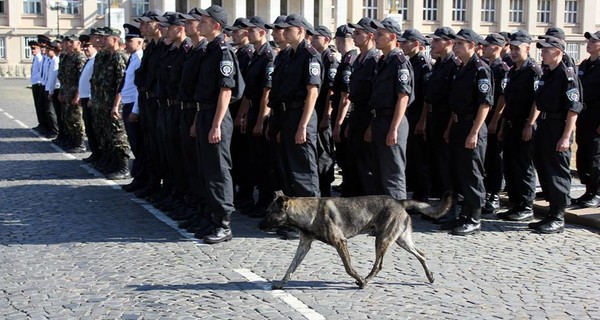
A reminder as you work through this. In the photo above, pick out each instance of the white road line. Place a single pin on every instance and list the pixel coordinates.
(289, 299)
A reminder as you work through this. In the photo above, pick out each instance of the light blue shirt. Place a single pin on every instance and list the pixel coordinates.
(36, 69)
(129, 93)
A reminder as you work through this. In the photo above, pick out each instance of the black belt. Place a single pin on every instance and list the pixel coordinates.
(188, 105)
(551, 115)
(149, 94)
(285, 106)
(205, 106)
(163, 103)
(382, 112)
(460, 117)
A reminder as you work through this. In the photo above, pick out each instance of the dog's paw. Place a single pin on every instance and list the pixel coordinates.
(277, 286)
(361, 283)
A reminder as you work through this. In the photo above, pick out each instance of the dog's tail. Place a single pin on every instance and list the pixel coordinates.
(432, 211)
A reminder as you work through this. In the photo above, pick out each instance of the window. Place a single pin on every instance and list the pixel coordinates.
(515, 12)
(2, 48)
(250, 11)
(572, 50)
(71, 8)
(283, 7)
(217, 2)
(2, 6)
(459, 10)
(488, 10)
(27, 52)
(430, 10)
(543, 14)
(571, 11)
(138, 7)
(401, 8)
(32, 6)
(370, 9)
(101, 7)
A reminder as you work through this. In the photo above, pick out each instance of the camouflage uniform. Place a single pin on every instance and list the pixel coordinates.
(96, 103)
(71, 116)
(59, 107)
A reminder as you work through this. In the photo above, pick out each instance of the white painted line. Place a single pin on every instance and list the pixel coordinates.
(21, 123)
(289, 299)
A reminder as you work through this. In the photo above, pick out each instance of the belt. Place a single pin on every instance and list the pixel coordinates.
(552, 115)
(463, 117)
(205, 106)
(149, 94)
(163, 103)
(285, 106)
(382, 112)
(188, 105)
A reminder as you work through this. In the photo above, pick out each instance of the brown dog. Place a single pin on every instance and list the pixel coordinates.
(334, 220)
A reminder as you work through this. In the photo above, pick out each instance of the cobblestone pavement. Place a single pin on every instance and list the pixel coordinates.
(73, 245)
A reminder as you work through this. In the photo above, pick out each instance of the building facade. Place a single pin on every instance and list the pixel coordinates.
(22, 20)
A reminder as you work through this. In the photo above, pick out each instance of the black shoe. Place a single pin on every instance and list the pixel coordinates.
(134, 185)
(585, 197)
(145, 192)
(553, 225)
(78, 149)
(523, 212)
(592, 202)
(218, 235)
(468, 227)
(119, 175)
(491, 204)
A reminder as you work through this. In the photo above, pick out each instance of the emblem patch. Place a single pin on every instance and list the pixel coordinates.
(484, 85)
(270, 73)
(504, 83)
(346, 76)
(332, 73)
(403, 76)
(537, 84)
(226, 68)
(573, 94)
(314, 69)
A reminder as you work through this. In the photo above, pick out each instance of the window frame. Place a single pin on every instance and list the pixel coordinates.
(3, 7)
(26, 48)
(36, 5)
(544, 9)
(370, 9)
(401, 7)
(516, 11)
(573, 50)
(571, 14)
(72, 8)
(459, 8)
(2, 48)
(488, 11)
(139, 7)
(430, 10)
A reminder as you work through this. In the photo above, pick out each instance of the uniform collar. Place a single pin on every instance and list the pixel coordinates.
(391, 55)
(264, 48)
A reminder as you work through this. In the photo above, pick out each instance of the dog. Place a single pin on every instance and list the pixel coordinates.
(334, 220)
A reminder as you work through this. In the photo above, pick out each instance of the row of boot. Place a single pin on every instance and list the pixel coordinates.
(112, 166)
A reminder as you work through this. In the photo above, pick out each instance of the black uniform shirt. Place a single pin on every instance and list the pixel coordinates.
(341, 83)
(153, 63)
(422, 70)
(244, 55)
(394, 76)
(176, 69)
(471, 87)
(519, 91)
(499, 70)
(294, 73)
(217, 70)
(438, 86)
(507, 59)
(163, 72)
(191, 65)
(259, 72)
(558, 91)
(142, 71)
(330, 64)
(589, 75)
(361, 80)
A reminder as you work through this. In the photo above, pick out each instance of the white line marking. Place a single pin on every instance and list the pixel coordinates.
(289, 299)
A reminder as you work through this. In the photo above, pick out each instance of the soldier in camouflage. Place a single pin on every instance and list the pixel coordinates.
(69, 95)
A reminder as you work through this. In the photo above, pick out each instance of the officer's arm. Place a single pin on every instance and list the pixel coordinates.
(565, 140)
(399, 110)
(497, 114)
(528, 128)
(341, 115)
(264, 108)
(327, 112)
(309, 105)
(482, 113)
(214, 135)
(421, 125)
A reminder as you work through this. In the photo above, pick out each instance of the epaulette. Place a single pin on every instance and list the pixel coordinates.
(223, 45)
(535, 67)
(351, 57)
(401, 57)
(249, 49)
(311, 50)
(271, 55)
(570, 72)
(456, 61)
(505, 66)
(331, 57)
(187, 45)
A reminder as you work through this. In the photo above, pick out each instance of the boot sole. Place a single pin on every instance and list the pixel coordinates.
(215, 242)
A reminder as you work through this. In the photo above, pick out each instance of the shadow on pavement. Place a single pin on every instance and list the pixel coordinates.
(17, 133)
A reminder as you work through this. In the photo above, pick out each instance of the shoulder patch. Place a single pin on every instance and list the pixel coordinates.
(226, 67)
(314, 69)
(484, 85)
(573, 94)
(401, 57)
(311, 49)
(270, 55)
(404, 76)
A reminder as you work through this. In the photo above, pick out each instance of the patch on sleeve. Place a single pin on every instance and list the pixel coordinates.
(270, 73)
(332, 73)
(504, 83)
(226, 68)
(314, 69)
(537, 84)
(484, 85)
(346, 76)
(573, 94)
(403, 76)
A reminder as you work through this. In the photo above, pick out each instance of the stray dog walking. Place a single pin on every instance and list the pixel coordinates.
(334, 220)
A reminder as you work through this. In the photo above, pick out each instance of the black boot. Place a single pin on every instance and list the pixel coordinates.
(585, 197)
(222, 232)
(491, 204)
(592, 202)
(556, 223)
(453, 218)
(470, 225)
(122, 171)
(524, 212)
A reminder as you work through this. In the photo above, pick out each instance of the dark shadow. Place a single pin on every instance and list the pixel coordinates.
(40, 170)
(17, 133)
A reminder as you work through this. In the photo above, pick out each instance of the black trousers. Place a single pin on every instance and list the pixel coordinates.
(52, 112)
(588, 149)
(519, 170)
(58, 117)
(162, 139)
(148, 113)
(242, 179)
(467, 164)
(89, 126)
(299, 160)
(214, 163)
(174, 159)
(390, 162)
(39, 101)
(553, 166)
(189, 154)
(439, 153)
(360, 163)
(258, 162)
(494, 171)
(136, 141)
(417, 161)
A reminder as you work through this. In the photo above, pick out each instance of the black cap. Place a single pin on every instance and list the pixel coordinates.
(363, 24)
(506, 36)
(43, 39)
(594, 36)
(321, 31)
(388, 24)
(412, 35)
(131, 31)
(494, 39)
(445, 33)
(85, 39)
(148, 16)
(554, 32)
(71, 37)
(239, 23)
(193, 14)
(33, 43)
(59, 38)
(343, 31)
(110, 31)
(217, 13)
(279, 19)
(256, 22)
(54, 45)
(294, 20)
(172, 19)
(520, 37)
(551, 42)
(467, 34)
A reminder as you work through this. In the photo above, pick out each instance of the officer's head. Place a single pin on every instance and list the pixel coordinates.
(239, 31)
(388, 32)
(552, 50)
(519, 45)
(492, 45)
(277, 33)
(257, 31)
(343, 38)
(442, 41)
(465, 43)
(133, 38)
(411, 41)
(111, 38)
(321, 37)
(213, 21)
(294, 28)
(149, 26)
(87, 46)
(192, 21)
(593, 42)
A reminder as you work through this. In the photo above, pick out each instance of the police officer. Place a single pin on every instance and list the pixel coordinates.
(558, 100)
(216, 84)
(51, 84)
(296, 82)
(392, 93)
(321, 38)
(588, 124)
(37, 87)
(492, 50)
(517, 129)
(417, 156)
(471, 96)
(360, 161)
(505, 53)
(72, 118)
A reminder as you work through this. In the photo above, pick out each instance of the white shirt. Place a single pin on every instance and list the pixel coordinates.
(36, 69)
(129, 92)
(52, 83)
(85, 87)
